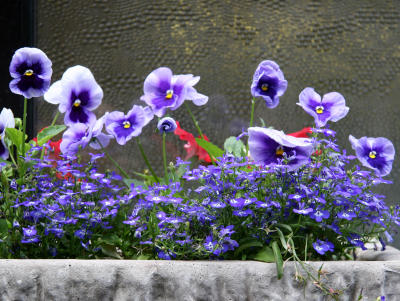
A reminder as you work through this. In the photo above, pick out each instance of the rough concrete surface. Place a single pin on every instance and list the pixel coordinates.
(190, 280)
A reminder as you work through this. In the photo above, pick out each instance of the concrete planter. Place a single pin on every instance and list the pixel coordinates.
(192, 280)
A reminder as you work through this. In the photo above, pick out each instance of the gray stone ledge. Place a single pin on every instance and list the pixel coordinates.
(189, 280)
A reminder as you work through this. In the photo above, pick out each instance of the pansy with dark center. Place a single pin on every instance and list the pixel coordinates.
(6, 121)
(332, 106)
(269, 83)
(124, 127)
(77, 94)
(375, 153)
(31, 71)
(270, 147)
(163, 90)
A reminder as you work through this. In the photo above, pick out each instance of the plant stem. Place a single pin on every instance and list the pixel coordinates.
(196, 124)
(253, 102)
(146, 160)
(165, 157)
(125, 174)
(24, 126)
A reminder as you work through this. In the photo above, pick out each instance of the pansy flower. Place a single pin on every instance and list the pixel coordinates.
(332, 106)
(269, 83)
(31, 71)
(163, 90)
(77, 94)
(124, 127)
(271, 147)
(79, 135)
(375, 153)
(6, 121)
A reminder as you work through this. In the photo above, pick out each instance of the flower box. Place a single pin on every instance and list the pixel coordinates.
(195, 280)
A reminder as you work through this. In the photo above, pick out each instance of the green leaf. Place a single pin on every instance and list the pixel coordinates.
(234, 146)
(250, 244)
(15, 136)
(282, 238)
(5, 161)
(110, 250)
(265, 254)
(143, 257)
(3, 227)
(47, 133)
(211, 149)
(278, 259)
(128, 182)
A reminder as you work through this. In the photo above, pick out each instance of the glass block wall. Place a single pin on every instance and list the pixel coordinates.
(352, 47)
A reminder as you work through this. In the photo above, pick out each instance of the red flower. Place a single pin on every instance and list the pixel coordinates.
(192, 148)
(302, 133)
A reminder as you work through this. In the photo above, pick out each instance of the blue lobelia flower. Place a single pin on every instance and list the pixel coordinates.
(31, 71)
(331, 107)
(163, 90)
(323, 246)
(166, 125)
(6, 121)
(123, 127)
(269, 83)
(77, 94)
(375, 153)
(271, 147)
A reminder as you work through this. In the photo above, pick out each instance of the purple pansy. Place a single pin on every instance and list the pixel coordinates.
(75, 137)
(270, 147)
(269, 83)
(323, 246)
(124, 127)
(166, 125)
(77, 94)
(375, 153)
(332, 107)
(31, 71)
(163, 90)
(6, 121)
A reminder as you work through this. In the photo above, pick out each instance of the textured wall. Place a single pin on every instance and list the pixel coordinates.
(150, 280)
(352, 47)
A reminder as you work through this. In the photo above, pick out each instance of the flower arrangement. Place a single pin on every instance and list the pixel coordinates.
(271, 197)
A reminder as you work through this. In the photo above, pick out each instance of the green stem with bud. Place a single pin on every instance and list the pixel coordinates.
(146, 160)
(165, 157)
(124, 173)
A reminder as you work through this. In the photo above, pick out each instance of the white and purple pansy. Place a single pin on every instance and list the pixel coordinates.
(271, 147)
(77, 94)
(268, 83)
(375, 153)
(6, 121)
(163, 90)
(123, 127)
(332, 106)
(79, 135)
(31, 71)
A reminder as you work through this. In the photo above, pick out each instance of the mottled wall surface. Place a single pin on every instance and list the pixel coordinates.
(352, 47)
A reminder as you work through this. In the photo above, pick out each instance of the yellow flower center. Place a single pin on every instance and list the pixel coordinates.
(279, 151)
(372, 154)
(28, 72)
(77, 103)
(126, 124)
(319, 109)
(264, 87)
(168, 94)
